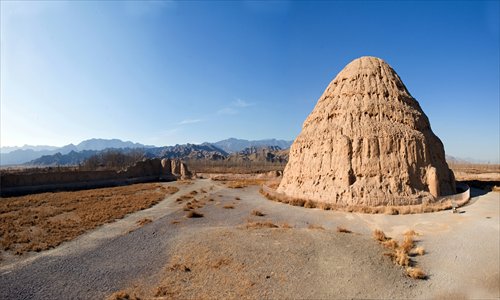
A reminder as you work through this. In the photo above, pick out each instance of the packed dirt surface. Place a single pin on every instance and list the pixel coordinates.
(241, 245)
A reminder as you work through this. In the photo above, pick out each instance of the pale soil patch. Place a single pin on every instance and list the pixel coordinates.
(42, 221)
(275, 263)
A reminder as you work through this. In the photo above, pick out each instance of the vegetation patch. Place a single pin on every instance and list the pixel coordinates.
(315, 226)
(263, 224)
(43, 221)
(343, 230)
(401, 252)
(144, 221)
(242, 183)
(257, 213)
(194, 214)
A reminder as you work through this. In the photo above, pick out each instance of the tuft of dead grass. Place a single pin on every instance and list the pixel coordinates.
(379, 235)
(243, 183)
(343, 230)
(228, 206)
(310, 204)
(415, 273)
(42, 221)
(389, 210)
(237, 198)
(144, 221)
(286, 226)
(411, 233)
(417, 251)
(122, 295)
(315, 226)
(257, 213)
(401, 257)
(408, 243)
(263, 224)
(194, 214)
(401, 253)
(391, 244)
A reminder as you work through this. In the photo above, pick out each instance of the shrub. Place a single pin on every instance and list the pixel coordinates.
(194, 214)
(416, 273)
(343, 230)
(379, 235)
(257, 213)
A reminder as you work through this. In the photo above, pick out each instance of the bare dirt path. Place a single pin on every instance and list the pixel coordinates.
(462, 260)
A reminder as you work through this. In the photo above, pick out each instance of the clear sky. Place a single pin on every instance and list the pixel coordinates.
(163, 73)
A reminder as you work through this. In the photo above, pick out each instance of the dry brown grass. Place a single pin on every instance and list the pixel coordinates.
(401, 257)
(242, 183)
(263, 224)
(341, 229)
(379, 235)
(411, 233)
(391, 244)
(391, 210)
(400, 253)
(416, 273)
(228, 206)
(144, 221)
(315, 226)
(194, 214)
(417, 251)
(237, 198)
(286, 226)
(408, 243)
(42, 221)
(122, 295)
(184, 198)
(257, 213)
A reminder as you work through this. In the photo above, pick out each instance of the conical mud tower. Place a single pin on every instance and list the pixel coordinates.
(367, 142)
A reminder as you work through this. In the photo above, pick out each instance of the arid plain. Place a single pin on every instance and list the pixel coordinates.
(223, 239)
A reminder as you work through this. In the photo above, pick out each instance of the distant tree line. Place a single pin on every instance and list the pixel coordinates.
(236, 166)
(112, 160)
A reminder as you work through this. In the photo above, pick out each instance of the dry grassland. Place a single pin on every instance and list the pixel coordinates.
(388, 210)
(42, 221)
(242, 183)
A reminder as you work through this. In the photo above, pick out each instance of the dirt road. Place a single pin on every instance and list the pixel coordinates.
(226, 259)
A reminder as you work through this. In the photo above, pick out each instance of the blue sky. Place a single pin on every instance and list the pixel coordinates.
(175, 72)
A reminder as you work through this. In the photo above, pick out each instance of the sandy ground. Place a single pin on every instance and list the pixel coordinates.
(227, 260)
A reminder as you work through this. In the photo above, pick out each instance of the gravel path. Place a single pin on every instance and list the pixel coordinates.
(97, 263)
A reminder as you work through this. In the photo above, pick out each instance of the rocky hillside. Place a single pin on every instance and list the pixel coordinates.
(233, 145)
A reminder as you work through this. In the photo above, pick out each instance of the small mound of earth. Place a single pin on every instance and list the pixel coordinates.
(222, 263)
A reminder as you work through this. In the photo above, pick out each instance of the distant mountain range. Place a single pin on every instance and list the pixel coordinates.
(24, 154)
(232, 149)
(75, 154)
(232, 145)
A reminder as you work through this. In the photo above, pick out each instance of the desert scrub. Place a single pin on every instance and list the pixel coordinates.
(257, 213)
(343, 230)
(194, 214)
(379, 235)
(401, 252)
(263, 224)
(416, 273)
(43, 221)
